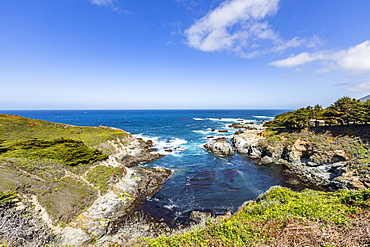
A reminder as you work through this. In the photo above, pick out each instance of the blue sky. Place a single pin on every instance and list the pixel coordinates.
(176, 54)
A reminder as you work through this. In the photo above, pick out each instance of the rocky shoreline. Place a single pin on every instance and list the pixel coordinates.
(124, 197)
(317, 159)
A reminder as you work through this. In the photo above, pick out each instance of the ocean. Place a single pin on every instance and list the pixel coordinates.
(201, 181)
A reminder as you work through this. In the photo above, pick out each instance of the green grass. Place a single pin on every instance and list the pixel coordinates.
(68, 151)
(258, 219)
(15, 128)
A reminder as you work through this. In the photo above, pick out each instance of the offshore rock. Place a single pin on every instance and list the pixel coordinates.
(247, 141)
(219, 146)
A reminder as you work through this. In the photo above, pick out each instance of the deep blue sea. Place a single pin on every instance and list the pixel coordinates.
(201, 181)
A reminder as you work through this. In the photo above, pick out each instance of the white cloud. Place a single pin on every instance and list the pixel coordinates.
(238, 26)
(102, 2)
(361, 87)
(355, 59)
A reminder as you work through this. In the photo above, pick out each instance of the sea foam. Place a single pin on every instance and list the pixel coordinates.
(163, 146)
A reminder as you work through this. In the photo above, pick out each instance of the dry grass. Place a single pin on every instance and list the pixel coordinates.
(19, 227)
(302, 232)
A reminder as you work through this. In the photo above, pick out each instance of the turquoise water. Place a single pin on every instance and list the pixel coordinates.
(200, 181)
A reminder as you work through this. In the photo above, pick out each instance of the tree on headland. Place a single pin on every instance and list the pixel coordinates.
(297, 119)
(366, 109)
(344, 111)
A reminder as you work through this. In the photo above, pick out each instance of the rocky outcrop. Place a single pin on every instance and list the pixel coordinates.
(199, 217)
(219, 146)
(130, 152)
(122, 199)
(246, 141)
(318, 159)
(246, 126)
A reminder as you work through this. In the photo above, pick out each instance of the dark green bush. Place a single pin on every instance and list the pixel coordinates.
(68, 151)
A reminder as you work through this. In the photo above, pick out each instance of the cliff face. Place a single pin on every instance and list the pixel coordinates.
(335, 162)
(123, 197)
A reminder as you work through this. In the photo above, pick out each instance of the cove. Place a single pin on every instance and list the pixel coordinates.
(201, 181)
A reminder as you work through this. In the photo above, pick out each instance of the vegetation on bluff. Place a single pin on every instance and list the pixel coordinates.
(15, 128)
(68, 151)
(282, 217)
(348, 130)
(344, 111)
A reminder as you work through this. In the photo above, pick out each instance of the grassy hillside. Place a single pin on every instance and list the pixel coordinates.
(14, 128)
(282, 217)
(56, 162)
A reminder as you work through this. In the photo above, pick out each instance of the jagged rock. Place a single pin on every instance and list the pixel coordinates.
(131, 160)
(125, 195)
(246, 141)
(140, 152)
(199, 217)
(219, 146)
(250, 126)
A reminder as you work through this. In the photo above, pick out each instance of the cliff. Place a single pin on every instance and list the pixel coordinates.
(78, 179)
(333, 158)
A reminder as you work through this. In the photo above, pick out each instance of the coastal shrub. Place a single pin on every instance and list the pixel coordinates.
(46, 169)
(9, 198)
(259, 220)
(357, 198)
(70, 152)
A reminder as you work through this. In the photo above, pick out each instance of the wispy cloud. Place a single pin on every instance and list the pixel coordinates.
(110, 4)
(360, 87)
(355, 59)
(102, 2)
(239, 26)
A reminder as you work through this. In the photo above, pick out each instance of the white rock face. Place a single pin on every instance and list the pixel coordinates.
(246, 141)
(219, 146)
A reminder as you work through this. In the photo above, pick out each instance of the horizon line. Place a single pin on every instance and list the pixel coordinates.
(146, 109)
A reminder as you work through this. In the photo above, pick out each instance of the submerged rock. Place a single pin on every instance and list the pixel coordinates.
(219, 146)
